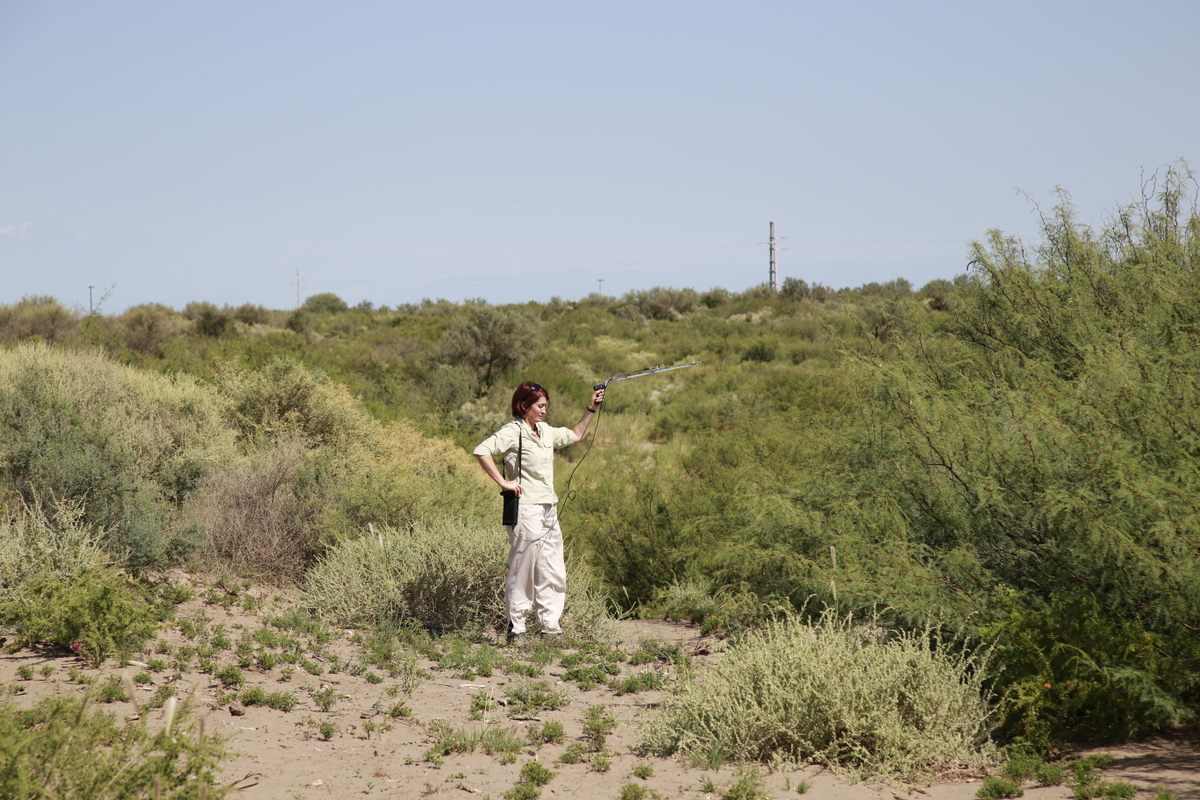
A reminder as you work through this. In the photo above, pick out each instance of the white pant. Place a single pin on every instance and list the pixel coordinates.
(537, 573)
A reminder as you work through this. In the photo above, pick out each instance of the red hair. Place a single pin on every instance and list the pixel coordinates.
(525, 396)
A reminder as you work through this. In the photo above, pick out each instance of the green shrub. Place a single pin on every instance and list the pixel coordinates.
(573, 754)
(533, 772)
(1020, 766)
(500, 740)
(148, 327)
(63, 747)
(445, 576)
(994, 788)
(230, 677)
(207, 319)
(840, 693)
(551, 732)
(598, 723)
(1049, 774)
(127, 447)
(257, 696)
(748, 786)
(646, 680)
(529, 697)
(112, 691)
(96, 614)
(37, 317)
(714, 609)
(56, 544)
(325, 303)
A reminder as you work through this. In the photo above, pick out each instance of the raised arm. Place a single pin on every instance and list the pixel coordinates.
(581, 428)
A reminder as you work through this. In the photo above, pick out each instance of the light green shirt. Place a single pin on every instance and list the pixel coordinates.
(537, 457)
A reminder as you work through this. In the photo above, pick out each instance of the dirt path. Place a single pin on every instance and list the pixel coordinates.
(381, 728)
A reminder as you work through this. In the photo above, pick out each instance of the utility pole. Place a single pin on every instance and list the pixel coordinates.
(91, 306)
(600, 286)
(773, 283)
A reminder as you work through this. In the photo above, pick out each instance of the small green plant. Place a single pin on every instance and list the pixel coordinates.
(600, 762)
(748, 786)
(636, 791)
(156, 665)
(481, 703)
(219, 639)
(325, 697)
(229, 677)
(160, 696)
(373, 678)
(643, 770)
(46, 671)
(995, 787)
(598, 722)
(523, 668)
(500, 741)
(802, 787)
(25, 672)
(551, 732)
(650, 651)
(143, 678)
(450, 740)
(527, 699)
(327, 730)
(400, 711)
(1118, 790)
(111, 691)
(1049, 774)
(1021, 766)
(573, 754)
(638, 682)
(257, 696)
(533, 772)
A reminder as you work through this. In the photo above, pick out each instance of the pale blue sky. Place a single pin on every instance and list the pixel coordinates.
(513, 151)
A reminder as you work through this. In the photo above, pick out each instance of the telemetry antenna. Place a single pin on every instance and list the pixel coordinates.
(641, 373)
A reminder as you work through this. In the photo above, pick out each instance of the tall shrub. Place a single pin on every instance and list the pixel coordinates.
(128, 446)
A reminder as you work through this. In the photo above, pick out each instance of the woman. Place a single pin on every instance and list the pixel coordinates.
(537, 574)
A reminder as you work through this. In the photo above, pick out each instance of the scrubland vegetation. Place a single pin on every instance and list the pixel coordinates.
(983, 494)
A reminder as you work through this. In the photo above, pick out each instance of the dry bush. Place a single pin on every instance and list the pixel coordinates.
(838, 693)
(254, 518)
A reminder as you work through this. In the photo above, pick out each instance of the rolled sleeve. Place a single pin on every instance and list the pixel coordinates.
(563, 437)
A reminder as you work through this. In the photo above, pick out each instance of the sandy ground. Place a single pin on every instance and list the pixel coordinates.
(278, 755)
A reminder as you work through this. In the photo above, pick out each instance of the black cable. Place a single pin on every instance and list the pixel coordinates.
(568, 492)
